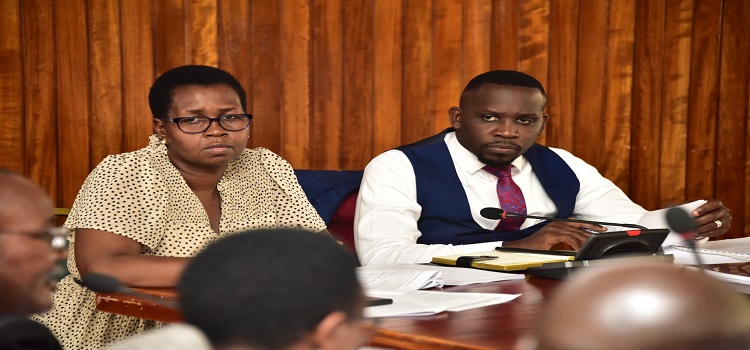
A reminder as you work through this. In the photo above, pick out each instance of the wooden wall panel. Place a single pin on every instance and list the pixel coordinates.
(358, 83)
(170, 43)
(561, 86)
(450, 19)
(265, 61)
(106, 79)
(388, 63)
(654, 93)
(11, 89)
(731, 131)
(138, 62)
(618, 84)
(506, 50)
(295, 80)
(40, 102)
(703, 97)
(73, 97)
(418, 105)
(201, 33)
(476, 34)
(678, 24)
(591, 68)
(327, 82)
(647, 93)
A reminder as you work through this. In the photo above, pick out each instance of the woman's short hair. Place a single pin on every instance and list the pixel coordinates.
(160, 95)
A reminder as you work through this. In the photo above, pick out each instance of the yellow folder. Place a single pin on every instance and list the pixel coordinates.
(499, 260)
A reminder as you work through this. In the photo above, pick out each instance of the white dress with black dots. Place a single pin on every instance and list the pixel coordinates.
(141, 195)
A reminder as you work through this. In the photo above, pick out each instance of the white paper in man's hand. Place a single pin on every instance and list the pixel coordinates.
(658, 219)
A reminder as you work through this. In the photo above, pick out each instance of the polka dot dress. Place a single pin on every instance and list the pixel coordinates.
(141, 195)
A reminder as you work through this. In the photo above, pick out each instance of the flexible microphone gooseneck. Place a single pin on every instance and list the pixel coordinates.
(102, 283)
(682, 222)
(499, 214)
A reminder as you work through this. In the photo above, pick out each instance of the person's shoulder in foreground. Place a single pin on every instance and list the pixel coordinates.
(424, 199)
(643, 306)
(30, 249)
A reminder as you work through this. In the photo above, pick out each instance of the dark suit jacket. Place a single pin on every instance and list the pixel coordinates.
(17, 333)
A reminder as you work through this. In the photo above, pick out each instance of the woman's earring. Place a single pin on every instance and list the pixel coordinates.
(164, 142)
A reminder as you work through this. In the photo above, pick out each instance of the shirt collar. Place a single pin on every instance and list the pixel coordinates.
(468, 162)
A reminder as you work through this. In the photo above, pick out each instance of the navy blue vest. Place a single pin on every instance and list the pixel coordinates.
(446, 217)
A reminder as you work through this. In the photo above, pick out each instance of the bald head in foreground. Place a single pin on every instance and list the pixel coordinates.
(30, 249)
(645, 307)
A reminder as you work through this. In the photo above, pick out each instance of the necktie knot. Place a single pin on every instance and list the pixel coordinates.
(499, 171)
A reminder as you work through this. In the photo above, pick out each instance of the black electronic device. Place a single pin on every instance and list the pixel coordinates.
(638, 244)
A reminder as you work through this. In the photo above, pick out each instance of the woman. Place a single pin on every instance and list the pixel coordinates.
(140, 215)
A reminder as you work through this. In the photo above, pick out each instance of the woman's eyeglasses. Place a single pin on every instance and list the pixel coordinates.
(199, 124)
(56, 236)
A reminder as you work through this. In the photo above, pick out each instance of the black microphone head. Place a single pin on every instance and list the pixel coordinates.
(680, 220)
(101, 283)
(491, 213)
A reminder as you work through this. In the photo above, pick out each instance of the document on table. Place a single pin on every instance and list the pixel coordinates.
(386, 282)
(737, 248)
(451, 276)
(421, 303)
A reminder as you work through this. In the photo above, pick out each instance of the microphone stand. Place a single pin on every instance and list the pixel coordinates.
(506, 214)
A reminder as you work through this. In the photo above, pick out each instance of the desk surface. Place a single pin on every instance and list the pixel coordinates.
(491, 327)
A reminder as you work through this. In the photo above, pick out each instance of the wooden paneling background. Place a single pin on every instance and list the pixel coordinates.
(654, 93)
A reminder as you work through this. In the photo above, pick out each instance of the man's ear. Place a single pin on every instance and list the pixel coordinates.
(455, 115)
(545, 117)
(159, 128)
(324, 336)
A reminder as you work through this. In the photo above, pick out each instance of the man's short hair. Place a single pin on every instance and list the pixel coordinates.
(268, 288)
(160, 96)
(504, 77)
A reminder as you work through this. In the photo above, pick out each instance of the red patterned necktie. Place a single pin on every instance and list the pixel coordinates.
(510, 196)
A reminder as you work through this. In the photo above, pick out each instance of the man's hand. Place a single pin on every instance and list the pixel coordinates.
(713, 219)
(572, 233)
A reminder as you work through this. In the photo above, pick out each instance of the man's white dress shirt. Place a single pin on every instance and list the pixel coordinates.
(385, 224)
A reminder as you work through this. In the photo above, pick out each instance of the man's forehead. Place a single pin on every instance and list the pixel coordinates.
(488, 92)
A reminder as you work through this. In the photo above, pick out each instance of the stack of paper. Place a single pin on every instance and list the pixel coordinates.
(448, 275)
(381, 281)
(421, 303)
(738, 248)
(402, 284)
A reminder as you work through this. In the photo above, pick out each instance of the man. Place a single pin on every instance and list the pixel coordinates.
(644, 306)
(30, 250)
(424, 199)
(269, 289)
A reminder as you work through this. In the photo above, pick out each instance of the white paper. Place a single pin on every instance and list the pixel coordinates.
(453, 276)
(738, 248)
(431, 302)
(379, 280)
(657, 219)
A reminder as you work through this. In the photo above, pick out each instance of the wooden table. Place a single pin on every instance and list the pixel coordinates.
(492, 327)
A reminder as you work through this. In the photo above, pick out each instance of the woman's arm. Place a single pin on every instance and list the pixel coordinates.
(120, 257)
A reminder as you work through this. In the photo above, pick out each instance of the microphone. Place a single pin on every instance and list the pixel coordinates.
(499, 214)
(102, 283)
(680, 221)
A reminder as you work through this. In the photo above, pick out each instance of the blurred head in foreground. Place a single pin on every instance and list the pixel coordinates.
(274, 289)
(645, 306)
(30, 247)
